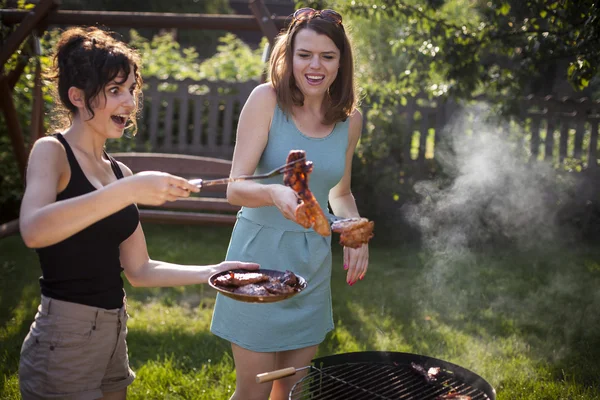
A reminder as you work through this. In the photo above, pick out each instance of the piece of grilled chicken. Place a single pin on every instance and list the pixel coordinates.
(354, 232)
(240, 278)
(308, 213)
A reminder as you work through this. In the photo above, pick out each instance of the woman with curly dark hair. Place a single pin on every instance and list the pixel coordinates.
(79, 212)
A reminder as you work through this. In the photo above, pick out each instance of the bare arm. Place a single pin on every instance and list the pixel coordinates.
(356, 261)
(340, 197)
(140, 270)
(45, 221)
(252, 136)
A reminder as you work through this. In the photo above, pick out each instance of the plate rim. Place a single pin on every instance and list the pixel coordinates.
(255, 299)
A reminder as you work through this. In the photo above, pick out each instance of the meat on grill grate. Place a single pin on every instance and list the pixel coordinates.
(371, 381)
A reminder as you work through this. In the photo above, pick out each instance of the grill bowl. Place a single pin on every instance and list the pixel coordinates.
(386, 375)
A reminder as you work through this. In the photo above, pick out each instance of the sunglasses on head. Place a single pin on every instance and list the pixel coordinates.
(307, 13)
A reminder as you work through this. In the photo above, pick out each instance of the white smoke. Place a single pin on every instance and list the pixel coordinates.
(493, 193)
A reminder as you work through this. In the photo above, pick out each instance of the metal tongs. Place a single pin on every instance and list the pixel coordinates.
(223, 181)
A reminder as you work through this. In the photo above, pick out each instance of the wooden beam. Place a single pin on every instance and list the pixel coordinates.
(265, 20)
(269, 29)
(14, 128)
(14, 75)
(145, 19)
(37, 108)
(9, 228)
(28, 24)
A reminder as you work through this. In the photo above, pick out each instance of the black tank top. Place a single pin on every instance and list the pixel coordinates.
(85, 268)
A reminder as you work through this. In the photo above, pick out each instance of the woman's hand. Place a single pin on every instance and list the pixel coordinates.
(229, 265)
(153, 188)
(285, 199)
(356, 262)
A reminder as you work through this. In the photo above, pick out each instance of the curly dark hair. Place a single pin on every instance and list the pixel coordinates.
(89, 58)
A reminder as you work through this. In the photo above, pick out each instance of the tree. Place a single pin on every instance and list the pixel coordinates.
(509, 48)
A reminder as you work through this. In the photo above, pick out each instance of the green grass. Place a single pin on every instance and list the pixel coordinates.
(526, 321)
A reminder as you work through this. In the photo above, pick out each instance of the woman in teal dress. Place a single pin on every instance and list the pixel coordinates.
(309, 104)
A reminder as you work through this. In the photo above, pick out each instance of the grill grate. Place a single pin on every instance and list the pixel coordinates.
(373, 381)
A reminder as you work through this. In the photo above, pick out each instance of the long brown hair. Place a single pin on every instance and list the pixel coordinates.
(342, 98)
(89, 59)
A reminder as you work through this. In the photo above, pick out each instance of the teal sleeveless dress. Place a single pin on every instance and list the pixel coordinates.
(264, 236)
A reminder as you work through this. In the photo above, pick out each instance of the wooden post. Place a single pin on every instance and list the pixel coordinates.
(264, 19)
(268, 28)
(14, 128)
(37, 108)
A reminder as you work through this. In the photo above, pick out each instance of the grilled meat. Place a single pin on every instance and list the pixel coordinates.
(258, 284)
(354, 232)
(276, 287)
(453, 396)
(252, 289)
(430, 375)
(240, 278)
(290, 279)
(309, 212)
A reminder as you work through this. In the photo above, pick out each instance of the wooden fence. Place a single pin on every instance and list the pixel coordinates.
(200, 118)
(191, 117)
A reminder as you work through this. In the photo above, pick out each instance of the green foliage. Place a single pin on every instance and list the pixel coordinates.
(234, 61)
(504, 48)
(164, 58)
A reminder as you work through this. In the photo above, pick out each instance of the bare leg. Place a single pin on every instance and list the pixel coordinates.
(248, 364)
(292, 358)
(120, 395)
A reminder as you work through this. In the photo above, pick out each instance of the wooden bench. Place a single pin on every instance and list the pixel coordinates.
(210, 206)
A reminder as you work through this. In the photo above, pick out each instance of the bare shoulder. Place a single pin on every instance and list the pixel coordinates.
(265, 92)
(356, 118)
(356, 122)
(259, 108)
(48, 162)
(48, 143)
(48, 148)
(263, 97)
(125, 169)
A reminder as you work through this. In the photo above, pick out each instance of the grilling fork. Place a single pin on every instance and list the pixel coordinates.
(223, 181)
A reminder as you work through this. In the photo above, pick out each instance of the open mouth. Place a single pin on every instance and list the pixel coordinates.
(119, 119)
(315, 79)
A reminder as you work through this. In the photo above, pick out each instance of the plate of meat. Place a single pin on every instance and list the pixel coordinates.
(260, 286)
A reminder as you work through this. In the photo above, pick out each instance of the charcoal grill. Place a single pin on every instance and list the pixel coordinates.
(386, 376)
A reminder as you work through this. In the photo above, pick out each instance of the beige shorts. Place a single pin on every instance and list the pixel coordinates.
(74, 352)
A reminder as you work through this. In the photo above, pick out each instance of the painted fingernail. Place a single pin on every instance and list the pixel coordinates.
(345, 267)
